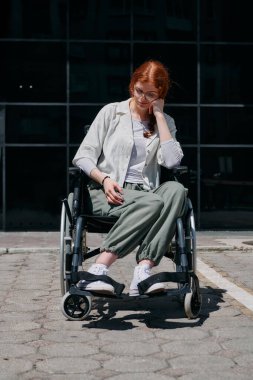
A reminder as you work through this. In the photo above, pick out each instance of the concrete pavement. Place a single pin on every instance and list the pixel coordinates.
(44, 241)
(123, 339)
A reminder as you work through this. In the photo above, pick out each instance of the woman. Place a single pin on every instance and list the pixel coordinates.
(122, 153)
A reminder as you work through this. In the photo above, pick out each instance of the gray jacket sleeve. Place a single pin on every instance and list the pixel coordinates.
(170, 152)
(85, 164)
(92, 144)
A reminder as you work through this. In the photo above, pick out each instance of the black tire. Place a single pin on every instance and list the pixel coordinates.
(192, 301)
(76, 307)
(190, 240)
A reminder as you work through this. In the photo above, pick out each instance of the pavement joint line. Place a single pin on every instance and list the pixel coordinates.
(236, 292)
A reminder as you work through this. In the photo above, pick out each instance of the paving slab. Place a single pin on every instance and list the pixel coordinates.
(121, 339)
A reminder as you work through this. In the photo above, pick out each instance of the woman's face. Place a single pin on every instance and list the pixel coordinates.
(144, 93)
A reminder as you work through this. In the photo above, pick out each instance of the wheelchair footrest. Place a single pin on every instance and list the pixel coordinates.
(179, 277)
(89, 277)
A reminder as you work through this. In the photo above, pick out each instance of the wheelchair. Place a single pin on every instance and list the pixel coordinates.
(77, 221)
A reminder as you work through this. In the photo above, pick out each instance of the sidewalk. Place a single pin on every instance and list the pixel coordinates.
(122, 339)
(11, 242)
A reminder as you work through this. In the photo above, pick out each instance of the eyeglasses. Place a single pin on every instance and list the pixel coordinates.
(150, 96)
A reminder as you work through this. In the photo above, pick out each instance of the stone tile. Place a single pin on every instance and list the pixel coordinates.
(9, 350)
(68, 365)
(231, 333)
(211, 374)
(135, 335)
(193, 363)
(13, 368)
(18, 336)
(131, 348)
(245, 360)
(182, 334)
(76, 349)
(238, 344)
(70, 336)
(190, 347)
(140, 376)
(21, 326)
(36, 375)
(135, 364)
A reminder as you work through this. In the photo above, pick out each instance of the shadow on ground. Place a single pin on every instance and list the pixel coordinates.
(156, 312)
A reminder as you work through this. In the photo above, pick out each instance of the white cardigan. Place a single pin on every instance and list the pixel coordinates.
(109, 142)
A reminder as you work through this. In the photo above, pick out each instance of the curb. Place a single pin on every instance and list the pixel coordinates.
(200, 248)
(6, 251)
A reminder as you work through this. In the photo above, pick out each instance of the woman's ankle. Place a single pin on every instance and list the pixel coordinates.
(106, 258)
(148, 262)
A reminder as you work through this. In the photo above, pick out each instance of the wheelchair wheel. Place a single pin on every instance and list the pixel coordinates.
(65, 244)
(192, 300)
(190, 239)
(76, 307)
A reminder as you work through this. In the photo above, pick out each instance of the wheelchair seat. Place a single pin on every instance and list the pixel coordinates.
(99, 224)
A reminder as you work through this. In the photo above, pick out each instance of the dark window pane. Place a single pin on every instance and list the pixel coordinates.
(81, 116)
(226, 20)
(1, 187)
(36, 183)
(181, 61)
(226, 74)
(189, 180)
(99, 72)
(226, 188)
(32, 72)
(72, 153)
(35, 124)
(33, 19)
(229, 163)
(186, 122)
(165, 20)
(99, 19)
(226, 125)
(2, 128)
(2, 124)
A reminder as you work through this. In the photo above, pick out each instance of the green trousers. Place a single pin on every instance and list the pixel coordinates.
(146, 219)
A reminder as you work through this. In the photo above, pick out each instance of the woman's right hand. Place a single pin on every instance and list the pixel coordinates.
(113, 192)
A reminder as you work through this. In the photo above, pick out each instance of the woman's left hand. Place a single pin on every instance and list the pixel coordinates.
(156, 107)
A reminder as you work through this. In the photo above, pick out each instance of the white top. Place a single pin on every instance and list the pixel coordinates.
(138, 154)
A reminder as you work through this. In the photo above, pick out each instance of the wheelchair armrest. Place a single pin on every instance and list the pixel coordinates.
(173, 174)
(180, 170)
(74, 171)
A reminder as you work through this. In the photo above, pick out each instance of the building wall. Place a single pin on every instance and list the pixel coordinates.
(61, 61)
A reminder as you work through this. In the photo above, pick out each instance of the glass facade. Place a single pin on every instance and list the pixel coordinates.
(63, 60)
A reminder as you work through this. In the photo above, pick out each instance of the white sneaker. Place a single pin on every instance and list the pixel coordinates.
(97, 286)
(141, 272)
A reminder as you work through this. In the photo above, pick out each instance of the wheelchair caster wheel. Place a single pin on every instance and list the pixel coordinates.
(192, 305)
(76, 307)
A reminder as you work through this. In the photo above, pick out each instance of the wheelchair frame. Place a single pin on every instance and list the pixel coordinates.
(76, 221)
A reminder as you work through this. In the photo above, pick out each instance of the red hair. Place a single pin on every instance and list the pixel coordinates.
(154, 72)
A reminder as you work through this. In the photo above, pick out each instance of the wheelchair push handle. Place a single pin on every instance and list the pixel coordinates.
(67, 208)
